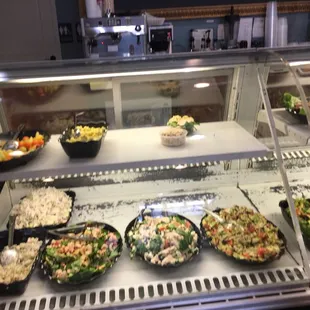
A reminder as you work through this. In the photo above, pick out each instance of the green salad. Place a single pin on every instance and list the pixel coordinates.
(302, 206)
(79, 260)
(293, 103)
(164, 240)
(251, 237)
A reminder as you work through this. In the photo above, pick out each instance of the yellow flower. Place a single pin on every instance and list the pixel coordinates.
(175, 118)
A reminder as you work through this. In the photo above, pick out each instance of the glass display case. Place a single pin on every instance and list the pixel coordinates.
(245, 135)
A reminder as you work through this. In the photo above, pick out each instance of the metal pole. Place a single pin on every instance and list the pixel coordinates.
(272, 126)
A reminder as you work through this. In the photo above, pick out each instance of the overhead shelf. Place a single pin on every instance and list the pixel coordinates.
(142, 148)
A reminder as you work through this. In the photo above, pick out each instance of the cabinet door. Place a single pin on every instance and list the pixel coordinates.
(28, 30)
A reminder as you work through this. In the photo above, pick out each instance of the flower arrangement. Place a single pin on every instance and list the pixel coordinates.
(186, 122)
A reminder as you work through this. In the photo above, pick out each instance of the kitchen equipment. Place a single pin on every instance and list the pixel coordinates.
(271, 24)
(160, 39)
(231, 28)
(115, 36)
(201, 39)
(9, 256)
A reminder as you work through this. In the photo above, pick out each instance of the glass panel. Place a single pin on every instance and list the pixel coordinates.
(151, 103)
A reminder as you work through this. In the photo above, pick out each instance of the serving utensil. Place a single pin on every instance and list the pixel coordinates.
(13, 144)
(222, 221)
(76, 131)
(62, 232)
(8, 255)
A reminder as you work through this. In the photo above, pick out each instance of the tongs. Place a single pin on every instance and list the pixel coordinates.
(61, 231)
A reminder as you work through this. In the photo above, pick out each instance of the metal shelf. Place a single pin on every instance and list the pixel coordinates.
(141, 147)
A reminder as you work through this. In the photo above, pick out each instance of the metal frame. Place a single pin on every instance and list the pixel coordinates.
(272, 126)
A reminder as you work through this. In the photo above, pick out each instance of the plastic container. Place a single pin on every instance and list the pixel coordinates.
(88, 277)
(170, 138)
(82, 149)
(157, 214)
(19, 161)
(94, 8)
(240, 260)
(17, 287)
(271, 24)
(282, 31)
(41, 231)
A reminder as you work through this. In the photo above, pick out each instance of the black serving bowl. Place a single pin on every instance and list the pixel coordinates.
(19, 161)
(165, 214)
(296, 113)
(82, 149)
(240, 260)
(283, 204)
(41, 231)
(17, 287)
(83, 279)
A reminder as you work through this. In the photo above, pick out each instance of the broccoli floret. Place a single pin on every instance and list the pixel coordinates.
(155, 244)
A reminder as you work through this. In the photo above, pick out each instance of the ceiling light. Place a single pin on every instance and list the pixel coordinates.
(202, 85)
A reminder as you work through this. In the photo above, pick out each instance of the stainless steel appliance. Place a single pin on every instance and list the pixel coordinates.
(114, 36)
(160, 39)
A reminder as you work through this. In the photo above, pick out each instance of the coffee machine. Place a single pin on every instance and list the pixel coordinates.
(160, 39)
(114, 36)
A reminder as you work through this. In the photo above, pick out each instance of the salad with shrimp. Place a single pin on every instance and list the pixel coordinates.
(73, 260)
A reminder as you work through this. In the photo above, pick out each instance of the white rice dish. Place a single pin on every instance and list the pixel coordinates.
(42, 207)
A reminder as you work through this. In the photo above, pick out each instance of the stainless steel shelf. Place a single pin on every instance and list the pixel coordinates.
(136, 148)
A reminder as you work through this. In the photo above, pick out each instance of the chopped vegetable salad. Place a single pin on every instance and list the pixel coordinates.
(251, 237)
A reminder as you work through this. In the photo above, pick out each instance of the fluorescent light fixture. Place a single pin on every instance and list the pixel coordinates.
(202, 85)
(299, 63)
(3, 77)
(106, 75)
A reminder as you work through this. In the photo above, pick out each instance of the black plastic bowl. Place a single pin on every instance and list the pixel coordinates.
(41, 231)
(19, 161)
(283, 204)
(89, 278)
(157, 213)
(17, 287)
(82, 149)
(241, 260)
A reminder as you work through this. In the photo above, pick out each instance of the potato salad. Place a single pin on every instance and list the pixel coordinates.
(27, 253)
(163, 241)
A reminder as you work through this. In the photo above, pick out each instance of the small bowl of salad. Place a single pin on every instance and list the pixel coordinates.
(83, 253)
(302, 206)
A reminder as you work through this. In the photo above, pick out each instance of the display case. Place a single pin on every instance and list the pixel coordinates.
(247, 150)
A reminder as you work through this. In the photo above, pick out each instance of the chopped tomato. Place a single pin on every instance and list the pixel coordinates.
(251, 228)
(187, 224)
(230, 242)
(261, 252)
(247, 255)
(262, 235)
